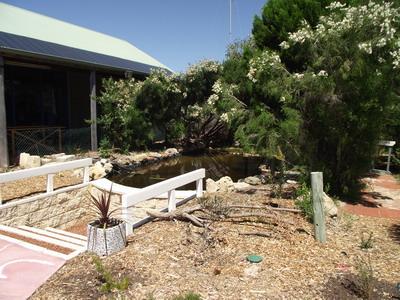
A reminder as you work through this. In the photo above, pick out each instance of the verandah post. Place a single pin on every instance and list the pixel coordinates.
(93, 111)
(3, 120)
(318, 206)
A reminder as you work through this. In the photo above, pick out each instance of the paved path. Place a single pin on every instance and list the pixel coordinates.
(23, 270)
(381, 198)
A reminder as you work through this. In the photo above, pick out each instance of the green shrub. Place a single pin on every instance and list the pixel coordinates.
(368, 242)
(304, 201)
(188, 296)
(365, 275)
(108, 282)
(105, 148)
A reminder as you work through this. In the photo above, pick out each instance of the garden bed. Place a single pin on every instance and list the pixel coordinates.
(166, 258)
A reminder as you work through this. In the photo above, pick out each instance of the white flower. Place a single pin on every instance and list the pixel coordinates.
(366, 47)
(298, 75)
(284, 45)
(212, 99)
(225, 117)
(322, 73)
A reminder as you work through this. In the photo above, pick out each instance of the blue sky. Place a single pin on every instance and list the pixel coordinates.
(176, 32)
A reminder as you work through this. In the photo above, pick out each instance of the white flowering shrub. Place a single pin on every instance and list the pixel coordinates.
(351, 70)
(123, 126)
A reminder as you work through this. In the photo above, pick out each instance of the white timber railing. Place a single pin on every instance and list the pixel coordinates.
(50, 170)
(169, 185)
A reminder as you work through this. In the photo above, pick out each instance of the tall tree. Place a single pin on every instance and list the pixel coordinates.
(279, 17)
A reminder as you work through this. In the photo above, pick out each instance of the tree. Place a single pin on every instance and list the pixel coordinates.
(279, 17)
(348, 88)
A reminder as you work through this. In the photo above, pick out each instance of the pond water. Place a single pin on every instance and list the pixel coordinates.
(216, 165)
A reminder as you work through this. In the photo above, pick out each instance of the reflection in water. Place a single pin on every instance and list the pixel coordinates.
(216, 165)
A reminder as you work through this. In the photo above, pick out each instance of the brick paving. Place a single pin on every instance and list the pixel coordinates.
(381, 198)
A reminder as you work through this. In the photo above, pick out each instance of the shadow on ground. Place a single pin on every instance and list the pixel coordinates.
(350, 286)
(394, 232)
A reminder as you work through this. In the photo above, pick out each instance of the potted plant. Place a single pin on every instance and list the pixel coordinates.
(106, 235)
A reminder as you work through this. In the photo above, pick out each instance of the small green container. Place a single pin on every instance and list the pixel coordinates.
(255, 259)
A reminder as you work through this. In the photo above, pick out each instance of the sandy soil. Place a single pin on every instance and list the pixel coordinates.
(167, 258)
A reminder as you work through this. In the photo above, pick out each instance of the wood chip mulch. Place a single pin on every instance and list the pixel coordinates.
(166, 258)
(30, 186)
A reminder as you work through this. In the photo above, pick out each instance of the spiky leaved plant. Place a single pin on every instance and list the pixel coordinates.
(101, 207)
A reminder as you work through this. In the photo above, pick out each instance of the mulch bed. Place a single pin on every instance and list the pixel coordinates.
(30, 186)
(167, 258)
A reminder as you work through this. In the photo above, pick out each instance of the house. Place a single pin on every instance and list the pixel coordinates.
(50, 72)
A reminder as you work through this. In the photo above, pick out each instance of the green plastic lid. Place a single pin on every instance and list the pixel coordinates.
(254, 258)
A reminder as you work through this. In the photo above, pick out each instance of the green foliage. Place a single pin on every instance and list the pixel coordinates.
(123, 125)
(367, 242)
(279, 17)
(365, 274)
(265, 134)
(108, 282)
(304, 201)
(160, 98)
(188, 296)
(105, 148)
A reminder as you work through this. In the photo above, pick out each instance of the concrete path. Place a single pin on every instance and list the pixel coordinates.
(380, 198)
(23, 270)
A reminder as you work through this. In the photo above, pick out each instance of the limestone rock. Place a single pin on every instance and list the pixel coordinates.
(171, 152)
(64, 158)
(243, 187)
(330, 207)
(45, 160)
(23, 159)
(27, 161)
(253, 180)
(211, 186)
(100, 169)
(139, 157)
(225, 184)
(154, 155)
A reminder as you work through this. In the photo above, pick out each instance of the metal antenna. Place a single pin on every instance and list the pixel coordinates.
(230, 21)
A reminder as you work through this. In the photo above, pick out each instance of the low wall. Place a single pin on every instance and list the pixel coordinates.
(58, 211)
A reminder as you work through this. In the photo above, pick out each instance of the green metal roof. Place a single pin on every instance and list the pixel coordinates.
(21, 22)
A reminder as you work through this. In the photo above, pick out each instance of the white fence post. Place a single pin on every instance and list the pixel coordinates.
(199, 188)
(171, 200)
(124, 212)
(85, 174)
(50, 183)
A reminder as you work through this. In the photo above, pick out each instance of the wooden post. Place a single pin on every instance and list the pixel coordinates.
(318, 206)
(93, 111)
(3, 120)
(388, 160)
(171, 200)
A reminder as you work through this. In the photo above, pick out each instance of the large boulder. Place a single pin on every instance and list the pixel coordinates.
(243, 187)
(172, 152)
(27, 161)
(64, 158)
(253, 180)
(225, 184)
(100, 169)
(330, 207)
(211, 186)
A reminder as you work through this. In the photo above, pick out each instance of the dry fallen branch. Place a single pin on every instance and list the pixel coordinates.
(184, 215)
(257, 233)
(294, 210)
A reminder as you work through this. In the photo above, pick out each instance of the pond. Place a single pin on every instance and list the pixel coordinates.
(217, 165)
